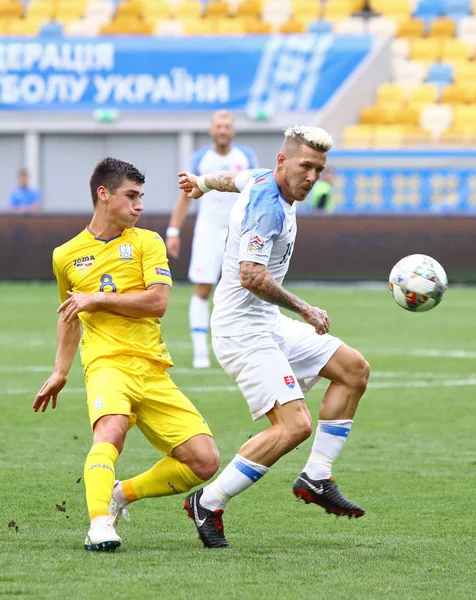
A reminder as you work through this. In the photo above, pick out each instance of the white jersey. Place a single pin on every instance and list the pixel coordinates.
(262, 229)
(214, 207)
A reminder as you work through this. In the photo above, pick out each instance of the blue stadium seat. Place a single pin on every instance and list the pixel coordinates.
(457, 7)
(320, 27)
(52, 29)
(440, 74)
(427, 9)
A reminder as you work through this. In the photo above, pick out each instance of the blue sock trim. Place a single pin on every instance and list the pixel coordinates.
(335, 430)
(247, 470)
(199, 330)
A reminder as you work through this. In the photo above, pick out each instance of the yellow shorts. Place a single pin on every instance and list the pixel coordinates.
(143, 390)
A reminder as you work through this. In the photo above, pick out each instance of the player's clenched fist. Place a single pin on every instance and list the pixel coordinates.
(318, 319)
(188, 183)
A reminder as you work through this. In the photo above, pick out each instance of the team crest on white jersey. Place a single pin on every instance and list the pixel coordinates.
(125, 251)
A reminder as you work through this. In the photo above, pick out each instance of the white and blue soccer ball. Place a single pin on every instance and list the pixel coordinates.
(418, 283)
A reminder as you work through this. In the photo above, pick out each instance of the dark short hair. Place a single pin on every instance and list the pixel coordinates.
(111, 174)
(22, 171)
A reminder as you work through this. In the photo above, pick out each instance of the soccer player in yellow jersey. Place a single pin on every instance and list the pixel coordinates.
(114, 283)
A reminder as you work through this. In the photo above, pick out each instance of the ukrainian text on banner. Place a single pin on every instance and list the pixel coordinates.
(276, 73)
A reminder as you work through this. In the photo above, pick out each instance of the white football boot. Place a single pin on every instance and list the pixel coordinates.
(117, 508)
(102, 536)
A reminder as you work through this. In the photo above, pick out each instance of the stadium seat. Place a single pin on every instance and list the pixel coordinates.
(26, 27)
(217, 9)
(453, 94)
(409, 116)
(371, 115)
(425, 93)
(306, 10)
(51, 29)
(256, 27)
(128, 9)
(188, 9)
(427, 9)
(442, 27)
(100, 10)
(248, 9)
(454, 49)
(426, 50)
(40, 11)
(169, 27)
(230, 26)
(413, 28)
(382, 26)
(388, 136)
(457, 7)
(440, 74)
(293, 26)
(390, 93)
(276, 12)
(416, 137)
(322, 27)
(336, 10)
(11, 10)
(199, 26)
(436, 118)
(464, 71)
(351, 25)
(357, 136)
(83, 27)
(156, 11)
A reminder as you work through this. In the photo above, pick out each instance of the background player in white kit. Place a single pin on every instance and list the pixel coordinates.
(211, 226)
(275, 359)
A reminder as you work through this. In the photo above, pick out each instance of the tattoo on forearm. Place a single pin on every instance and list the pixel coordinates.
(261, 284)
(222, 182)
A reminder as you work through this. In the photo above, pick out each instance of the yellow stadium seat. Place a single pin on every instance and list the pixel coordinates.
(464, 71)
(357, 136)
(127, 26)
(371, 115)
(425, 50)
(189, 9)
(249, 9)
(454, 49)
(217, 9)
(390, 92)
(306, 9)
(128, 9)
(337, 9)
(469, 92)
(43, 11)
(409, 115)
(389, 112)
(388, 136)
(232, 26)
(157, 12)
(464, 117)
(414, 28)
(26, 27)
(452, 94)
(66, 14)
(11, 10)
(199, 26)
(442, 28)
(293, 26)
(457, 137)
(392, 7)
(256, 27)
(425, 93)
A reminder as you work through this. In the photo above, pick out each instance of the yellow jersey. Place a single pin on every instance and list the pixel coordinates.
(130, 262)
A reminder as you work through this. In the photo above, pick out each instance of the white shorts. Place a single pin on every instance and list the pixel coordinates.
(208, 246)
(279, 366)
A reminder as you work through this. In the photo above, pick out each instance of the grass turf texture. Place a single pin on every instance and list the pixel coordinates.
(409, 461)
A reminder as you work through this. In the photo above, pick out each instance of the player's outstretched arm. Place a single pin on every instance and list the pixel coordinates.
(257, 279)
(68, 336)
(195, 187)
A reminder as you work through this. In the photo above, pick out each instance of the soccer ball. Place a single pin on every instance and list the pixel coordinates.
(418, 283)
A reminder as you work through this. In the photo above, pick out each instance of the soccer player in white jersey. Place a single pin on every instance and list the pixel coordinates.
(275, 359)
(211, 226)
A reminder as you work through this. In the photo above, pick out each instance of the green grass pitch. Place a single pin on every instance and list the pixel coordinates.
(409, 461)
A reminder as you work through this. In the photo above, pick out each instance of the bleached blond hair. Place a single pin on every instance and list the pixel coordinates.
(315, 137)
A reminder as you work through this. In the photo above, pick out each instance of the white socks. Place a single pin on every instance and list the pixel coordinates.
(236, 477)
(329, 440)
(199, 317)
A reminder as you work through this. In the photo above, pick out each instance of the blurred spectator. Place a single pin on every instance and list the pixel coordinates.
(320, 197)
(24, 198)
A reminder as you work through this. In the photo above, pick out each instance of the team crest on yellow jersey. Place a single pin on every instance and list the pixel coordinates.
(125, 251)
(84, 263)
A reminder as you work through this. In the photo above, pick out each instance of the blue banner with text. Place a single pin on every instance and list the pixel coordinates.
(253, 73)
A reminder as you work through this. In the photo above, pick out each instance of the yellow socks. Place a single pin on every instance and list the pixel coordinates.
(169, 476)
(99, 478)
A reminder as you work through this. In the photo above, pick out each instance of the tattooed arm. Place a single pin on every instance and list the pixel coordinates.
(258, 280)
(223, 181)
